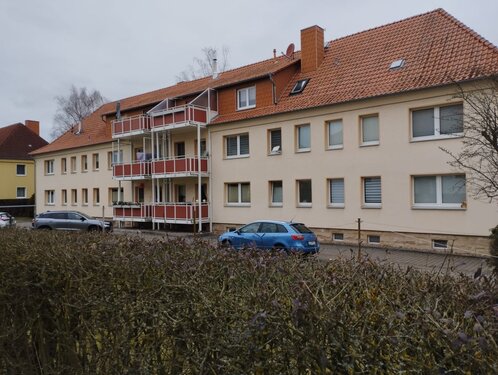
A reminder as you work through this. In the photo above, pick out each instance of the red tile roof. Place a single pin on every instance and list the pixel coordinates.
(17, 141)
(437, 49)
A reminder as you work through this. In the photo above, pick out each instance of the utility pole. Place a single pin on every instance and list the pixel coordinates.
(359, 239)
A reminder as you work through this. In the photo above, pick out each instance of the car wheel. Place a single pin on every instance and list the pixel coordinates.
(93, 228)
(226, 244)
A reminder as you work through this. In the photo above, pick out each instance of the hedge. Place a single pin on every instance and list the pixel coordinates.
(110, 304)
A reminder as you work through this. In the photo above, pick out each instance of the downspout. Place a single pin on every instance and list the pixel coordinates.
(199, 178)
(273, 88)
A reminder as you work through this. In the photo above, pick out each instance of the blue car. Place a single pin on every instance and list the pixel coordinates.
(271, 234)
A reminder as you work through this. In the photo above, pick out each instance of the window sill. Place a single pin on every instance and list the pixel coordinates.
(49, 204)
(63, 204)
(236, 157)
(276, 204)
(21, 197)
(275, 153)
(369, 144)
(21, 175)
(84, 171)
(74, 204)
(457, 207)
(436, 137)
(302, 150)
(371, 205)
(244, 108)
(96, 204)
(49, 174)
(237, 205)
(336, 205)
(304, 205)
(338, 147)
(84, 204)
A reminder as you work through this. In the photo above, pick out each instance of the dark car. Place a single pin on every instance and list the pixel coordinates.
(271, 234)
(69, 220)
(7, 220)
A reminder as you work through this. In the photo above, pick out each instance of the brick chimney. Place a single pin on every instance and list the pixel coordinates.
(312, 49)
(34, 126)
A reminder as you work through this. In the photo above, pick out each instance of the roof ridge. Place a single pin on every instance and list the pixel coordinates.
(467, 29)
(390, 24)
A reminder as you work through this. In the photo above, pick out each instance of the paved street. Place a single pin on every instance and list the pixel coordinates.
(424, 261)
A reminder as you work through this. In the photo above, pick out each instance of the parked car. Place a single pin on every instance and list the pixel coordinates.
(69, 220)
(7, 220)
(271, 234)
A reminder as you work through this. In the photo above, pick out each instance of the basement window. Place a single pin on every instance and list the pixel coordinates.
(439, 244)
(299, 86)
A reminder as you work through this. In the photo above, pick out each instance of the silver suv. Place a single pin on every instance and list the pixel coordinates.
(69, 220)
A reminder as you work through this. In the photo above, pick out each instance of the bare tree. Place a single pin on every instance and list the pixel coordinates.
(478, 156)
(73, 108)
(203, 66)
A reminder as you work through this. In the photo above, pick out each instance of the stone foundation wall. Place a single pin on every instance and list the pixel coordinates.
(464, 245)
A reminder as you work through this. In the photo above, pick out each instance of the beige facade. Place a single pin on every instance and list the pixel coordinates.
(79, 179)
(397, 158)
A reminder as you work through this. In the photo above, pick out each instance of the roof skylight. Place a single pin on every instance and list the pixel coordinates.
(397, 64)
(299, 86)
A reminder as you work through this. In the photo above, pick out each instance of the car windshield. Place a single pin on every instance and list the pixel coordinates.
(301, 228)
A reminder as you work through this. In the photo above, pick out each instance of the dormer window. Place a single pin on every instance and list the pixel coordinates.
(246, 98)
(397, 64)
(299, 86)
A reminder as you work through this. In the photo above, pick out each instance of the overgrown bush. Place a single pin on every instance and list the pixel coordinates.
(106, 304)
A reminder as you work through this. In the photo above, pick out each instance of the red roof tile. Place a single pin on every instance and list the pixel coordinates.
(17, 141)
(437, 49)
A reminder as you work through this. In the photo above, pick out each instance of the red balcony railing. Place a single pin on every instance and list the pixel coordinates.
(182, 166)
(140, 212)
(180, 115)
(130, 125)
(179, 212)
(135, 170)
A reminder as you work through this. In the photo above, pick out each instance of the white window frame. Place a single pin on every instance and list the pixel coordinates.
(63, 165)
(25, 170)
(338, 146)
(276, 150)
(329, 187)
(439, 205)
(369, 143)
(302, 149)
(84, 163)
(369, 239)
(336, 239)
(239, 202)
(96, 201)
(49, 167)
(64, 197)
(298, 191)
(96, 162)
(245, 91)
(49, 197)
(25, 192)
(364, 203)
(272, 203)
(238, 155)
(73, 166)
(437, 247)
(84, 197)
(437, 124)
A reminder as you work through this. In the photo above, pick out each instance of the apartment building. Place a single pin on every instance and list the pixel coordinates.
(74, 172)
(17, 167)
(339, 131)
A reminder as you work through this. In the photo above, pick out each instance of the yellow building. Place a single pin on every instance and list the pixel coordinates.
(17, 167)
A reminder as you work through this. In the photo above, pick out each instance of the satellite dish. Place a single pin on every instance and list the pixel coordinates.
(290, 51)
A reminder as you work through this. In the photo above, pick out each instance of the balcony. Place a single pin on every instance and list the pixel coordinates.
(141, 212)
(179, 117)
(137, 170)
(130, 126)
(169, 213)
(179, 167)
(179, 213)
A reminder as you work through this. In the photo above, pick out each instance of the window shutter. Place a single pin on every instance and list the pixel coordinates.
(244, 144)
(373, 193)
(337, 191)
(231, 146)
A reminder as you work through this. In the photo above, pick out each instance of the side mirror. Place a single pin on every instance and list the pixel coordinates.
(82, 219)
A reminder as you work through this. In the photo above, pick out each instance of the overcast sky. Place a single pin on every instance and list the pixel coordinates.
(127, 47)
